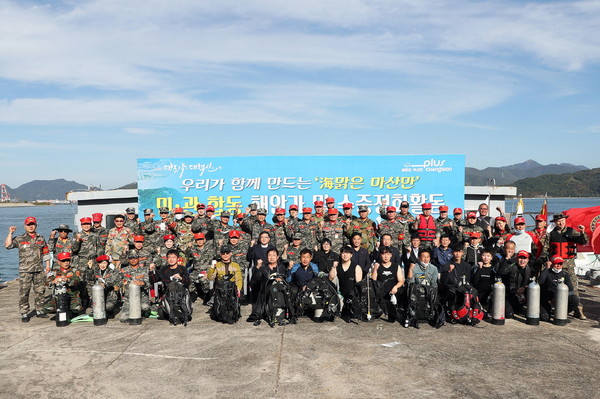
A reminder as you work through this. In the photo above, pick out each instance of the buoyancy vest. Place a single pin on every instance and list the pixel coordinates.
(562, 244)
(427, 228)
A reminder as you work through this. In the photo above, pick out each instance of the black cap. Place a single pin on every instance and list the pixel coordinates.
(225, 249)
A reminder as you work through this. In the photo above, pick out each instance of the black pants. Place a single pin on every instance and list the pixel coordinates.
(546, 305)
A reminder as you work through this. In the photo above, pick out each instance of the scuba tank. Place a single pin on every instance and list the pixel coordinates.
(561, 306)
(135, 304)
(99, 306)
(62, 304)
(498, 295)
(533, 303)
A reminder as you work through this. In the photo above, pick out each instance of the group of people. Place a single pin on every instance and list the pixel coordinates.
(295, 247)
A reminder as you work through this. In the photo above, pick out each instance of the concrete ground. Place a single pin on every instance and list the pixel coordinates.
(330, 360)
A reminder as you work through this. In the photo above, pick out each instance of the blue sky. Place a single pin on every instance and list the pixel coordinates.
(87, 87)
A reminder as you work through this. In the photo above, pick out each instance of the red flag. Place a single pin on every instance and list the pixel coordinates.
(544, 211)
(588, 217)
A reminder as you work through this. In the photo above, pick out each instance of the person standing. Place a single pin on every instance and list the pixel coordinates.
(33, 250)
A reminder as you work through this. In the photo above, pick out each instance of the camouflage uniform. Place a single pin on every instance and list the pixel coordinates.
(220, 234)
(334, 231)
(203, 224)
(131, 274)
(118, 242)
(201, 260)
(87, 248)
(293, 254)
(445, 226)
(258, 227)
(471, 229)
(185, 236)
(133, 225)
(368, 232)
(151, 233)
(74, 280)
(161, 255)
(281, 236)
(102, 234)
(111, 277)
(395, 229)
(318, 217)
(57, 245)
(308, 229)
(32, 250)
(406, 221)
(146, 255)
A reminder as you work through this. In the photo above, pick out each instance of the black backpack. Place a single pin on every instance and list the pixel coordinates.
(468, 309)
(423, 305)
(177, 303)
(365, 298)
(226, 306)
(321, 294)
(278, 306)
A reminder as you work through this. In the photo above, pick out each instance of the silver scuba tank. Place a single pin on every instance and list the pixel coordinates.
(533, 303)
(561, 306)
(99, 305)
(135, 304)
(498, 296)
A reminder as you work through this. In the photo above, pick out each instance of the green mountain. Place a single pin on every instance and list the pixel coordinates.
(505, 175)
(585, 183)
(44, 190)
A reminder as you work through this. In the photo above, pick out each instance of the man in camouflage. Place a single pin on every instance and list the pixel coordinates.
(72, 278)
(333, 229)
(239, 249)
(163, 226)
(33, 250)
(261, 225)
(62, 243)
(201, 256)
(118, 241)
(135, 274)
(184, 231)
(132, 221)
(308, 230)
(471, 228)
(221, 229)
(292, 253)
(281, 233)
(392, 226)
(146, 255)
(87, 246)
(109, 278)
(366, 227)
(149, 229)
(319, 216)
(99, 229)
(407, 219)
(445, 225)
(293, 218)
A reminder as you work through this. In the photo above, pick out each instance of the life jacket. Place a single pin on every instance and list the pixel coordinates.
(321, 294)
(277, 301)
(471, 311)
(365, 299)
(562, 244)
(226, 307)
(177, 303)
(427, 228)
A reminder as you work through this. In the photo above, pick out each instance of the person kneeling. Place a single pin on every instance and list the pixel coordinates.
(549, 280)
(423, 303)
(227, 276)
(176, 304)
(65, 278)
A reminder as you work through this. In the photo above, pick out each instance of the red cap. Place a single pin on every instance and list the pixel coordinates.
(332, 211)
(306, 210)
(280, 211)
(540, 218)
(318, 203)
(138, 238)
(293, 206)
(471, 215)
(347, 205)
(557, 259)
(30, 219)
(64, 256)
(391, 209)
(169, 237)
(178, 210)
(329, 200)
(475, 234)
(444, 208)
(519, 220)
(457, 210)
(235, 233)
(502, 218)
(198, 236)
(102, 258)
(523, 254)
(85, 220)
(200, 206)
(426, 205)
(210, 208)
(240, 215)
(97, 217)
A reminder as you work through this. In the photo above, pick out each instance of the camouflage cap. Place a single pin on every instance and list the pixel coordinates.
(363, 208)
(148, 211)
(253, 206)
(262, 211)
(130, 210)
(64, 227)
(163, 209)
(225, 214)
(297, 236)
(187, 214)
(132, 255)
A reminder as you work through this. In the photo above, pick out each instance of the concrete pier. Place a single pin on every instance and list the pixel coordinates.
(328, 360)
